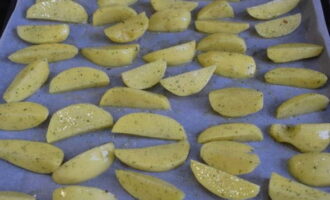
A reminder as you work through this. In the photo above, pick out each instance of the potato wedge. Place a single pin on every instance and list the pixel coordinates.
(112, 56)
(82, 193)
(220, 26)
(170, 20)
(216, 9)
(37, 157)
(229, 64)
(86, 165)
(104, 3)
(296, 77)
(236, 102)
(21, 115)
(155, 158)
(78, 78)
(112, 14)
(302, 104)
(188, 83)
(223, 184)
(305, 137)
(52, 52)
(222, 42)
(40, 34)
(150, 125)
(27, 81)
(174, 55)
(77, 119)
(279, 27)
(145, 76)
(64, 11)
(9, 195)
(147, 187)
(173, 4)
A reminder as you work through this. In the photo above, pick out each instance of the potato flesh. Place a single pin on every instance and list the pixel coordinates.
(105, 3)
(222, 42)
(9, 195)
(173, 4)
(220, 26)
(81, 193)
(216, 9)
(112, 14)
(170, 20)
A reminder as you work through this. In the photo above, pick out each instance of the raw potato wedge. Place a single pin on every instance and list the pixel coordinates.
(78, 78)
(188, 83)
(236, 102)
(279, 27)
(302, 104)
(220, 26)
(229, 64)
(21, 115)
(52, 52)
(40, 34)
(174, 55)
(112, 14)
(272, 9)
(27, 81)
(296, 77)
(8, 195)
(82, 193)
(155, 158)
(145, 76)
(173, 4)
(223, 184)
(222, 42)
(77, 119)
(150, 125)
(147, 187)
(112, 56)
(216, 9)
(305, 137)
(104, 3)
(170, 20)
(86, 165)
(37, 157)
(134, 98)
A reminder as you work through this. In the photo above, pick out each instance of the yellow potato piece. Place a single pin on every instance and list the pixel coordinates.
(150, 125)
(27, 81)
(188, 83)
(278, 27)
(302, 104)
(112, 14)
(77, 119)
(78, 78)
(86, 165)
(173, 4)
(9, 195)
(21, 115)
(305, 137)
(170, 20)
(220, 26)
(145, 76)
(296, 77)
(216, 9)
(81, 193)
(37, 157)
(229, 64)
(222, 42)
(104, 3)
(112, 56)
(174, 55)
(52, 52)
(147, 187)
(155, 158)
(223, 184)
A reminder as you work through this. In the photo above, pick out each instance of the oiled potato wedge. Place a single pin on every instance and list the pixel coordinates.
(174, 55)
(77, 119)
(8, 195)
(216, 9)
(147, 187)
(170, 20)
(220, 26)
(173, 4)
(112, 56)
(52, 52)
(296, 77)
(188, 83)
(279, 27)
(78, 78)
(82, 193)
(222, 42)
(305, 137)
(150, 125)
(104, 3)
(112, 14)
(27, 81)
(21, 115)
(155, 158)
(222, 184)
(302, 104)
(229, 64)
(38, 157)
(145, 76)
(86, 165)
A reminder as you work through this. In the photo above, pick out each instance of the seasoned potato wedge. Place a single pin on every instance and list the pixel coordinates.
(173, 4)
(104, 3)
(170, 20)
(296, 77)
(147, 187)
(220, 26)
(222, 42)
(155, 158)
(27, 81)
(174, 55)
(37, 157)
(52, 52)
(216, 9)
(112, 14)
(150, 125)
(8, 195)
(82, 193)
(77, 119)
(279, 27)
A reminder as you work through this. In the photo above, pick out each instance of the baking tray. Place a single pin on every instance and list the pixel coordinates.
(193, 112)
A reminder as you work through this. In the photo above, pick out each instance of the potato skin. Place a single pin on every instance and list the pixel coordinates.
(81, 193)
(170, 20)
